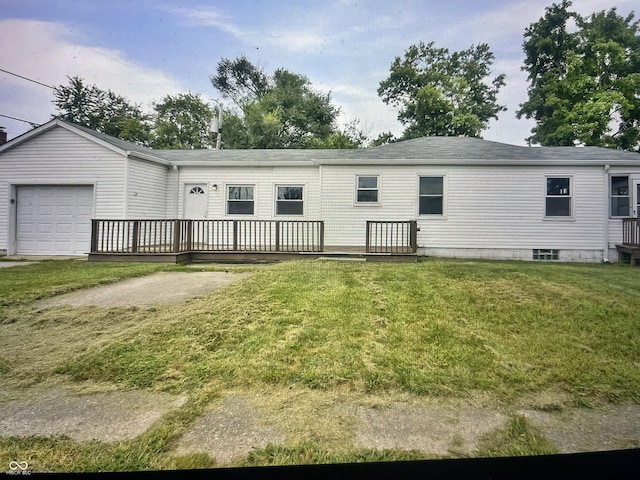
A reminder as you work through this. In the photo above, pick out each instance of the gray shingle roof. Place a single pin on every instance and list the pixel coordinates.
(427, 150)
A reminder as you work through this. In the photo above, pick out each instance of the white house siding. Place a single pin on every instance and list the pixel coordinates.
(60, 157)
(147, 189)
(264, 179)
(489, 211)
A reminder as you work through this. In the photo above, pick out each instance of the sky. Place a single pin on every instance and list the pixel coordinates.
(146, 49)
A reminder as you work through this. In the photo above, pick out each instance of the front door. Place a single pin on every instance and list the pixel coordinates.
(195, 201)
(635, 194)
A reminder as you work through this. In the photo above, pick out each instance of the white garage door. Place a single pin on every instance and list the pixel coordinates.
(54, 220)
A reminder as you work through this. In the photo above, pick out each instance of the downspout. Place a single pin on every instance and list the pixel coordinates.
(126, 184)
(605, 250)
(176, 185)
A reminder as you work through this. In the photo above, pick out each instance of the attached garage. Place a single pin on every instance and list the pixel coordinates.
(53, 219)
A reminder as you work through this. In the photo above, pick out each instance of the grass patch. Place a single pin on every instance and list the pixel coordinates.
(310, 453)
(437, 328)
(24, 284)
(518, 438)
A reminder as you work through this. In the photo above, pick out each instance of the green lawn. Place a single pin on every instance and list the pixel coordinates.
(438, 328)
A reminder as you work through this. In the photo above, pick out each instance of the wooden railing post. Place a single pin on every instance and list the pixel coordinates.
(414, 236)
(322, 236)
(368, 238)
(278, 224)
(134, 240)
(94, 236)
(176, 236)
(235, 235)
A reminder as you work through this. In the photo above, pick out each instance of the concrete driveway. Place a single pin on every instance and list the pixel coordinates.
(163, 288)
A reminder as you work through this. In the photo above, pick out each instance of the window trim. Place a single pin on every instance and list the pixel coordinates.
(559, 218)
(303, 201)
(378, 189)
(629, 195)
(227, 200)
(444, 196)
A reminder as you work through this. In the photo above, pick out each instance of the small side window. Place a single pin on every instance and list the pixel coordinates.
(431, 195)
(620, 198)
(240, 200)
(367, 189)
(558, 197)
(289, 200)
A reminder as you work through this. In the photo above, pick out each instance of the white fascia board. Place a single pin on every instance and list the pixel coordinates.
(479, 162)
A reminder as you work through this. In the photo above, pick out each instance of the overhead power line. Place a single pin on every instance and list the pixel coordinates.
(26, 78)
(33, 124)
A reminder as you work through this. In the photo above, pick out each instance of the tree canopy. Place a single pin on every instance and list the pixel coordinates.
(443, 93)
(279, 110)
(182, 122)
(584, 81)
(101, 110)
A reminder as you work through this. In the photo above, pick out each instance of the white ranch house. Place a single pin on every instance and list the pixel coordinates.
(436, 196)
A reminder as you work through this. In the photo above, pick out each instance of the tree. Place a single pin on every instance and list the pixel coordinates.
(101, 110)
(240, 80)
(442, 93)
(182, 122)
(280, 110)
(585, 82)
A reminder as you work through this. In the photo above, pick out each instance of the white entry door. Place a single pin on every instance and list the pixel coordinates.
(195, 201)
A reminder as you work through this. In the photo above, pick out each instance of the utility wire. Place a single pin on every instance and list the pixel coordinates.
(33, 124)
(28, 79)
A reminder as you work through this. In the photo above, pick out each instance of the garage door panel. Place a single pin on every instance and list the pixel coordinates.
(54, 220)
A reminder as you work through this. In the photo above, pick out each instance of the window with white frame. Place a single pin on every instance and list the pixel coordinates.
(558, 197)
(367, 188)
(620, 198)
(431, 195)
(240, 200)
(289, 200)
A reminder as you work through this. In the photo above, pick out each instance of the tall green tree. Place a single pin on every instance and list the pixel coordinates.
(279, 110)
(101, 110)
(584, 82)
(443, 93)
(182, 122)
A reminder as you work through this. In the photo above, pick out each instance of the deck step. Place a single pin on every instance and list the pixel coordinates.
(343, 259)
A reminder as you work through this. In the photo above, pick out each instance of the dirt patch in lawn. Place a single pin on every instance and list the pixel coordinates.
(163, 288)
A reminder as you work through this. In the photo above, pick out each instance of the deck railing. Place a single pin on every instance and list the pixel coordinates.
(392, 237)
(631, 231)
(176, 236)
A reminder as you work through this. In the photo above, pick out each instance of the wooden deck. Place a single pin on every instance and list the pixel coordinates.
(242, 241)
(630, 246)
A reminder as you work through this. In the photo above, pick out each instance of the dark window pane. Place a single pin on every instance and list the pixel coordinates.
(289, 208)
(430, 185)
(240, 193)
(240, 208)
(289, 193)
(367, 196)
(558, 207)
(367, 182)
(619, 185)
(558, 186)
(620, 206)
(430, 205)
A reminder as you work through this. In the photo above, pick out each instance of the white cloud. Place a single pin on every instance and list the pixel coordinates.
(206, 16)
(46, 52)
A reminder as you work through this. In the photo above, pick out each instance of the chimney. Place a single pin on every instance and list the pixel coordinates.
(3, 136)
